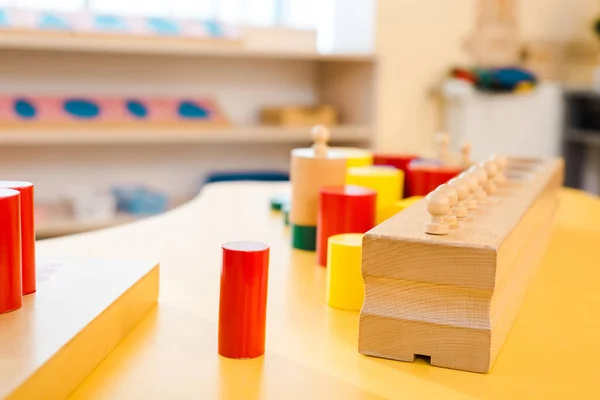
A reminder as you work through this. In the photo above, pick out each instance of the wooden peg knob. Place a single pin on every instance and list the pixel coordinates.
(473, 184)
(450, 191)
(462, 190)
(320, 135)
(438, 206)
(501, 162)
(479, 172)
(491, 168)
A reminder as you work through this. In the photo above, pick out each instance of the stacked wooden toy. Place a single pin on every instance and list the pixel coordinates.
(445, 278)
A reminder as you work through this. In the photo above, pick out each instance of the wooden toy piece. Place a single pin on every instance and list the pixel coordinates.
(501, 163)
(491, 170)
(398, 206)
(345, 287)
(479, 172)
(278, 201)
(386, 181)
(80, 312)
(243, 299)
(343, 209)
(310, 172)
(26, 191)
(299, 115)
(11, 289)
(472, 184)
(454, 297)
(462, 191)
(438, 206)
(450, 191)
(399, 161)
(320, 135)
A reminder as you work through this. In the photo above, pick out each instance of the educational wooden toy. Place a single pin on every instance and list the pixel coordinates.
(81, 311)
(64, 111)
(311, 169)
(11, 288)
(26, 197)
(243, 299)
(452, 293)
(345, 287)
(299, 115)
(386, 181)
(343, 209)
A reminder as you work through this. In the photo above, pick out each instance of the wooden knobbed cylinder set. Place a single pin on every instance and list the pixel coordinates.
(17, 244)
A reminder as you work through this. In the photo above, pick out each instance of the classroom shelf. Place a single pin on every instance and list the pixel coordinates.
(160, 46)
(215, 135)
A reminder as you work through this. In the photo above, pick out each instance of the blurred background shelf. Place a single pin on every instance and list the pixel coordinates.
(177, 135)
(63, 225)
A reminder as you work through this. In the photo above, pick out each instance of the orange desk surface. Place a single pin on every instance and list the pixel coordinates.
(311, 353)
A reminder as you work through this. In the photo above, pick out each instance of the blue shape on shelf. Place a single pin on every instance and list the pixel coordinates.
(80, 108)
(3, 18)
(51, 21)
(140, 200)
(213, 28)
(25, 109)
(109, 23)
(137, 108)
(163, 26)
(191, 110)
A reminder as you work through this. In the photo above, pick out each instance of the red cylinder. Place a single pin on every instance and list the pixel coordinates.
(243, 299)
(343, 209)
(27, 232)
(11, 288)
(425, 178)
(400, 161)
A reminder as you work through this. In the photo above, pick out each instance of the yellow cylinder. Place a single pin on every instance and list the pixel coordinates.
(345, 286)
(398, 206)
(386, 181)
(356, 157)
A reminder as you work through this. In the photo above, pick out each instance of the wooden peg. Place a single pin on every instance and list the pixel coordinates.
(501, 162)
(438, 206)
(450, 217)
(479, 172)
(491, 169)
(320, 135)
(472, 184)
(462, 190)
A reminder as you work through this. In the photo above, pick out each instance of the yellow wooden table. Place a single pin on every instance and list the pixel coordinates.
(311, 350)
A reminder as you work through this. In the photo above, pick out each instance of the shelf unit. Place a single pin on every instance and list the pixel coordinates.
(242, 78)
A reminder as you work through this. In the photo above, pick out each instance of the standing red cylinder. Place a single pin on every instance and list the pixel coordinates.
(11, 288)
(400, 161)
(425, 178)
(343, 209)
(27, 232)
(243, 299)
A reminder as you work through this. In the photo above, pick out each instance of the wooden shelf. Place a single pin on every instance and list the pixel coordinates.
(158, 46)
(54, 227)
(257, 134)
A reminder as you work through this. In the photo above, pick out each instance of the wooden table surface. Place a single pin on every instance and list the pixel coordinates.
(311, 352)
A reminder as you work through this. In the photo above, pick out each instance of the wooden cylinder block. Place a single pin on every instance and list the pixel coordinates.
(11, 288)
(27, 232)
(243, 299)
(345, 287)
(386, 181)
(343, 209)
(308, 174)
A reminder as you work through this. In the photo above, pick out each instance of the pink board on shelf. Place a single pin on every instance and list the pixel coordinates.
(92, 109)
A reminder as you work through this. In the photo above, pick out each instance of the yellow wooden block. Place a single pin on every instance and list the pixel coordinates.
(79, 314)
(386, 181)
(345, 287)
(398, 206)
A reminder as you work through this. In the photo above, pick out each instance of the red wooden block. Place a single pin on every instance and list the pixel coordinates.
(343, 209)
(27, 232)
(11, 289)
(400, 161)
(243, 299)
(425, 178)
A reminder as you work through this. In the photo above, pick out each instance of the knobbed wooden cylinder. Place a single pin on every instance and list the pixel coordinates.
(308, 174)
(27, 232)
(243, 299)
(343, 209)
(11, 287)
